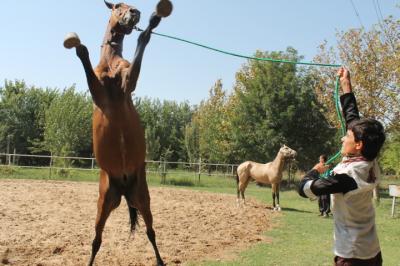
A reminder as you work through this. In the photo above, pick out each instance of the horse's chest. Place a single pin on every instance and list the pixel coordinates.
(113, 78)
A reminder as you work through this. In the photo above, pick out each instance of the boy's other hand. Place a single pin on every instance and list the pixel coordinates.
(344, 76)
(321, 167)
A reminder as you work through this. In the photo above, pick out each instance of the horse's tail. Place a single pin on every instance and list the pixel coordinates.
(133, 215)
(237, 184)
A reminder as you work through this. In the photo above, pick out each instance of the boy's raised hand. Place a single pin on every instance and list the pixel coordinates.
(344, 76)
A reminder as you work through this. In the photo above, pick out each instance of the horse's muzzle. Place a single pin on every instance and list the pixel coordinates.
(130, 19)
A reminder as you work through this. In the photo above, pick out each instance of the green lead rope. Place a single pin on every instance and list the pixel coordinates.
(243, 56)
(342, 126)
(335, 95)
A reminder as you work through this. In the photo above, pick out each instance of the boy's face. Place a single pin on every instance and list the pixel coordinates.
(350, 147)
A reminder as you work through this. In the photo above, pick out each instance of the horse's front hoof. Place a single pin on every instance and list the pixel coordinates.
(71, 40)
(164, 8)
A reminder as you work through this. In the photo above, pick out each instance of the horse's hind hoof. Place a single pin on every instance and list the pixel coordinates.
(277, 209)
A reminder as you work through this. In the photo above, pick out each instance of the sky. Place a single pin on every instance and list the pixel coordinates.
(32, 34)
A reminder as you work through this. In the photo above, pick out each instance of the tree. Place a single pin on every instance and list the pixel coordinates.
(164, 125)
(212, 126)
(192, 139)
(22, 115)
(68, 124)
(390, 160)
(373, 58)
(276, 105)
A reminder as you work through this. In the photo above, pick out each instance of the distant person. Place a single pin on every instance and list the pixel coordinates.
(351, 184)
(324, 201)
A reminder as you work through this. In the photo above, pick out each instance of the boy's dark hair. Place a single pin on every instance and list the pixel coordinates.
(324, 157)
(371, 133)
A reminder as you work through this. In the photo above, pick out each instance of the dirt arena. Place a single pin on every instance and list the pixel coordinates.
(52, 223)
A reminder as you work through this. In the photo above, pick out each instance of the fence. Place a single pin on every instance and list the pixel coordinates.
(163, 168)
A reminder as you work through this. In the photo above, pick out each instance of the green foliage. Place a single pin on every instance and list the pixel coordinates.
(22, 116)
(373, 58)
(277, 105)
(68, 124)
(192, 133)
(212, 123)
(164, 125)
(390, 159)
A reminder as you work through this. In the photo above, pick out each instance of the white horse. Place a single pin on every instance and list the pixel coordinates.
(269, 173)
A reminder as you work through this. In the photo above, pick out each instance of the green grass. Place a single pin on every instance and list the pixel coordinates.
(300, 237)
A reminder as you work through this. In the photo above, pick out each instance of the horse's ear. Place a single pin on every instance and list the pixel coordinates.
(109, 5)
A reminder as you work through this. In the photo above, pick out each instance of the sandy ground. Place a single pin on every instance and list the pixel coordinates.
(52, 223)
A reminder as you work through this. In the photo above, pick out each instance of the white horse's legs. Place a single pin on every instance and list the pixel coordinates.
(241, 187)
(240, 203)
(275, 194)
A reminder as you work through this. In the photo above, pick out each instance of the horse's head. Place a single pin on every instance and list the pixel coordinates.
(287, 152)
(123, 17)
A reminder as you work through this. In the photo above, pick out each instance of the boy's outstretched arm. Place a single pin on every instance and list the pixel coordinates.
(344, 77)
(347, 100)
(312, 186)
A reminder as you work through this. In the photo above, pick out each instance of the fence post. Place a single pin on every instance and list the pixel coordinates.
(290, 166)
(92, 163)
(14, 156)
(199, 173)
(8, 149)
(51, 162)
(164, 172)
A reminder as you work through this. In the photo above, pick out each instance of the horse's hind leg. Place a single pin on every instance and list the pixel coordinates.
(141, 199)
(237, 190)
(242, 187)
(109, 199)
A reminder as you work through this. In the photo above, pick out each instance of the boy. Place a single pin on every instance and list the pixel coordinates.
(351, 185)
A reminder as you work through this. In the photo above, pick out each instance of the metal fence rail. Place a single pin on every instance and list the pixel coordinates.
(163, 168)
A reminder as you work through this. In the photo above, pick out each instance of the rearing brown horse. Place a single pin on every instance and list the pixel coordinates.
(118, 137)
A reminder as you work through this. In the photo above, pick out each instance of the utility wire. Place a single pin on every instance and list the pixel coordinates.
(379, 9)
(382, 23)
(358, 16)
(379, 16)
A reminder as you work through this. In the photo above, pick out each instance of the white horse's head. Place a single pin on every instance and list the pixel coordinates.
(287, 152)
